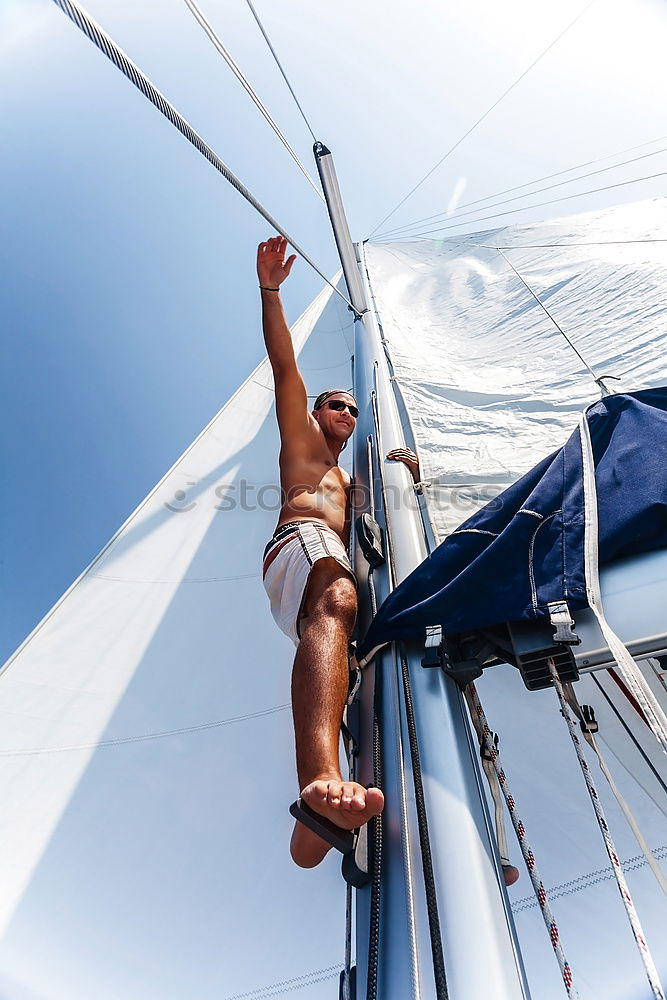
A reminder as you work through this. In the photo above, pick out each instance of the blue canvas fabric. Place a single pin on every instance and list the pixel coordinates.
(525, 549)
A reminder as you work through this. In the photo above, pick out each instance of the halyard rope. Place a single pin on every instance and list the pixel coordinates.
(541, 893)
(649, 965)
(99, 37)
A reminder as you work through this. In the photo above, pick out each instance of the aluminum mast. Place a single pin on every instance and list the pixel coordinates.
(473, 911)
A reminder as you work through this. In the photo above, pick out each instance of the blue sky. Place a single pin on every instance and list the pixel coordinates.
(129, 300)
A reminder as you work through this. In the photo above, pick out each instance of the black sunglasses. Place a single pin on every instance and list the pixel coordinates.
(338, 404)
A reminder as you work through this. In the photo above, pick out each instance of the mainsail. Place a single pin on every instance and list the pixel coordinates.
(146, 762)
(146, 759)
(497, 341)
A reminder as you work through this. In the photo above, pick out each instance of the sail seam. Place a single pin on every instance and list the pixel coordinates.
(588, 879)
(218, 723)
(288, 984)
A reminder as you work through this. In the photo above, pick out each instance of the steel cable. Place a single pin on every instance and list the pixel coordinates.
(538, 180)
(482, 117)
(247, 86)
(526, 208)
(459, 213)
(99, 37)
(279, 65)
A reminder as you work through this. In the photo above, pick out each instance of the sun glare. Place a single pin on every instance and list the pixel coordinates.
(19, 20)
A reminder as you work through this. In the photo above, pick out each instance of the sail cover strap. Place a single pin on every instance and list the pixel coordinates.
(491, 777)
(646, 957)
(632, 675)
(540, 892)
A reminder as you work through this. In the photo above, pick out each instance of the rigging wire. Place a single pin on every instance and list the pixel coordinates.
(247, 86)
(554, 321)
(646, 957)
(485, 115)
(459, 213)
(526, 208)
(99, 37)
(486, 740)
(538, 180)
(548, 246)
(279, 65)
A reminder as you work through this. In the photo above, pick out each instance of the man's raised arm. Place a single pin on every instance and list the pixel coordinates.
(291, 398)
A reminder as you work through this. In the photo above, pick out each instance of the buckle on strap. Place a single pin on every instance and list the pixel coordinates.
(562, 623)
(433, 647)
(588, 722)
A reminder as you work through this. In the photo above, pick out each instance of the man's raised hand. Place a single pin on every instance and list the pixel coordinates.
(272, 268)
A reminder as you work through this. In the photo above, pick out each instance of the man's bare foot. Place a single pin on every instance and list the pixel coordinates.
(510, 874)
(346, 803)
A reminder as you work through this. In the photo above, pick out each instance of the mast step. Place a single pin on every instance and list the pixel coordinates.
(352, 844)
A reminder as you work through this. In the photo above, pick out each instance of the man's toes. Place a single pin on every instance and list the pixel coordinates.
(348, 794)
(358, 803)
(315, 794)
(374, 801)
(334, 793)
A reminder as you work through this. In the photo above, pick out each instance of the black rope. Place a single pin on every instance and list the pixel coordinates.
(425, 843)
(375, 837)
(631, 735)
(482, 117)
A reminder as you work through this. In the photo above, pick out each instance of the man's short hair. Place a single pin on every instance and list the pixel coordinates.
(323, 396)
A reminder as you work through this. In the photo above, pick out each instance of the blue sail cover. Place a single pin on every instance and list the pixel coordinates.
(525, 549)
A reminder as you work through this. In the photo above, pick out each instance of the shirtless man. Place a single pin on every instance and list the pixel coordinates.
(307, 572)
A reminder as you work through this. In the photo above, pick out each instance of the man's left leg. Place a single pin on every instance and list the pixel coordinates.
(319, 691)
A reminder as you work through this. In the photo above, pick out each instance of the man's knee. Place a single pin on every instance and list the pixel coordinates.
(340, 598)
(337, 600)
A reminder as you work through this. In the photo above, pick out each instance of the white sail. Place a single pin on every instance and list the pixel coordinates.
(146, 754)
(491, 384)
(146, 760)
(491, 387)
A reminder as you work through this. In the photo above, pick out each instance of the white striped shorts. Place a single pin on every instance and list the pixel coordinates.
(288, 559)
